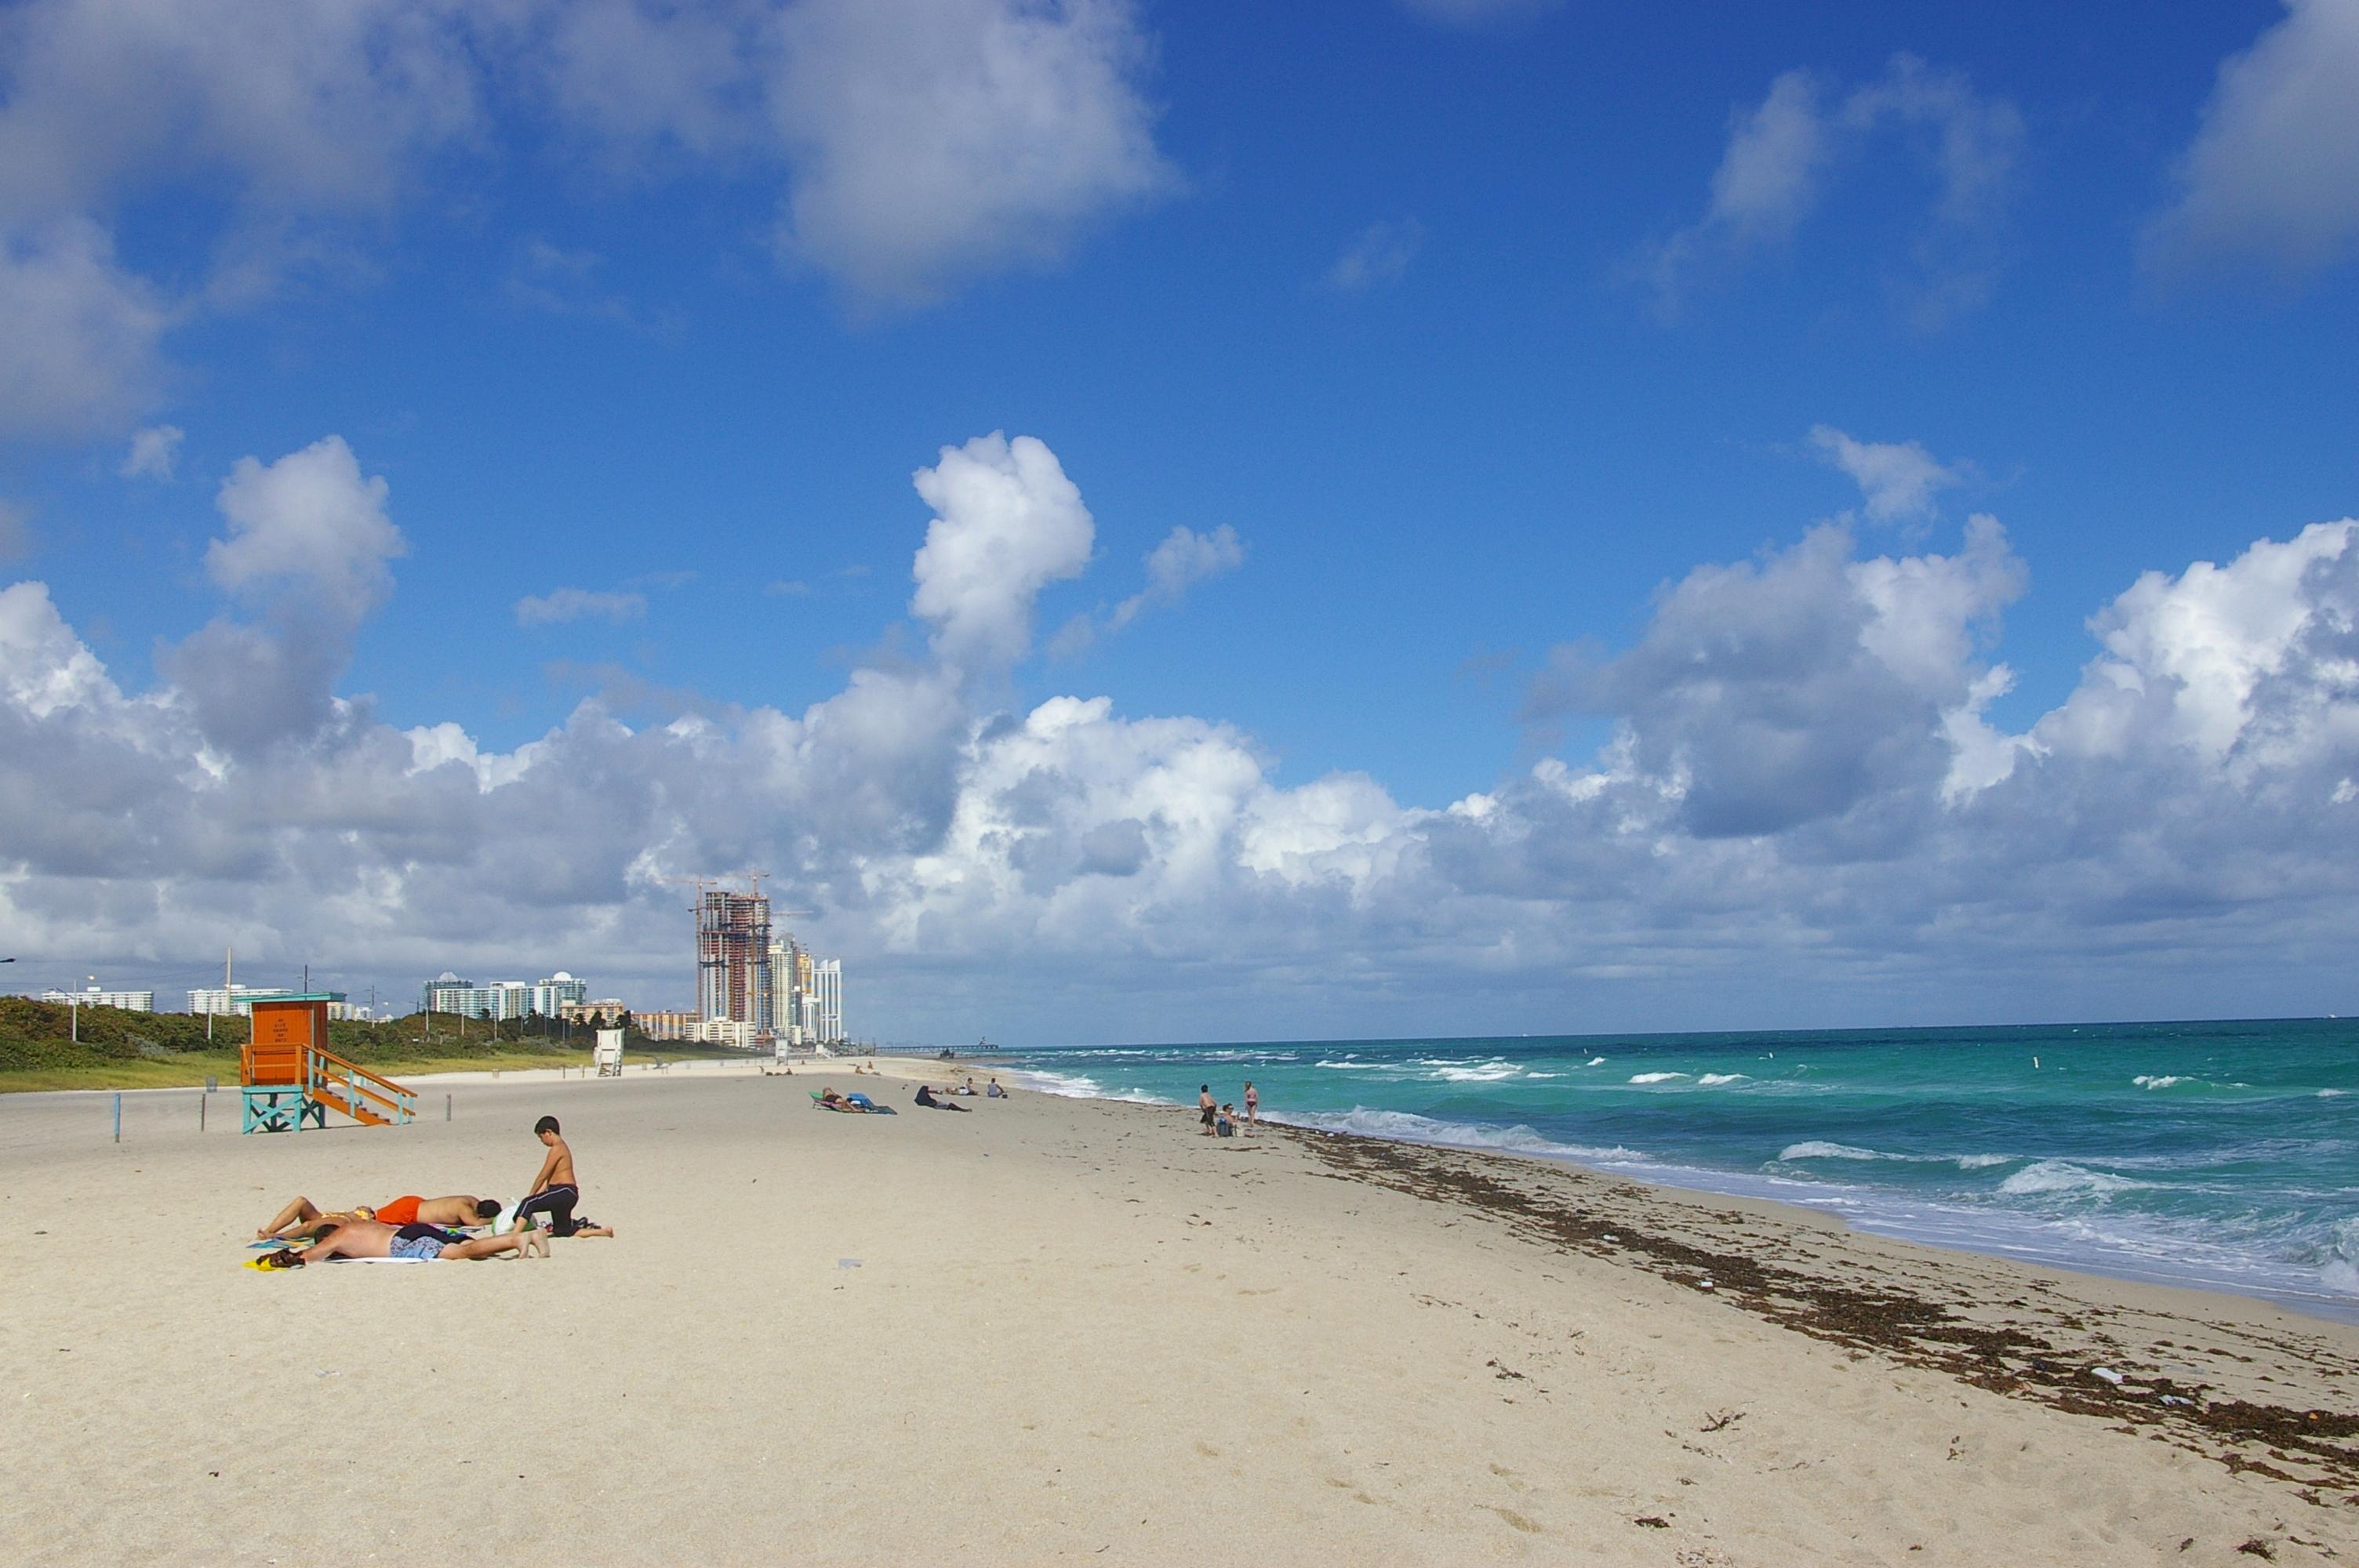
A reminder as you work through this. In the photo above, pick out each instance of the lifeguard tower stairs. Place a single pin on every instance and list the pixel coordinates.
(289, 1076)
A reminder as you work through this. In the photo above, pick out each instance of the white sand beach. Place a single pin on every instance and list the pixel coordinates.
(1058, 1330)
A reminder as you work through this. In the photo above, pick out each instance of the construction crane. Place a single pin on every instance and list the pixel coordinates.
(713, 979)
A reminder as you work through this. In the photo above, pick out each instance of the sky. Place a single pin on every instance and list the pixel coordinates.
(1214, 522)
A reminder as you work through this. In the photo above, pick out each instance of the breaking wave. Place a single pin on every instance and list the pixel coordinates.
(1815, 1149)
(2063, 1177)
(1408, 1126)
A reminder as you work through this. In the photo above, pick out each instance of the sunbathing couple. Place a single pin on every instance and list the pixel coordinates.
(420, 1228)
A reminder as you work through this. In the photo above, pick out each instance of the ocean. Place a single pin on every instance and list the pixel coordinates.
(2219, 1155)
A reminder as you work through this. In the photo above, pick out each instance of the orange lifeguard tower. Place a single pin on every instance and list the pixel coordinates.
(288, 1075)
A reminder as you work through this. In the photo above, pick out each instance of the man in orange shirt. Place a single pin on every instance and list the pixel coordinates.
(304, 1219)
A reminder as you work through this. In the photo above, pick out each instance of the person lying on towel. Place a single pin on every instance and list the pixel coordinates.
(926, 1097)
(305, 1219)
(426, 1243)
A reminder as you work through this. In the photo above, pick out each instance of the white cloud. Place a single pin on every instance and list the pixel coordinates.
(2272, 176)
(274, 116)
(933, 140)
(2192, 661)
(1977, 141)
(306, 548)
(1781, 154)
(1768, 178)
(1007, 522)
(298, 108)
(1896, 479)
(645, 76)
(920, 143)
(563, 604)
(1378, 253)
(310, 523)
(1184, 560)
(1805, 809)
(82, 332)
(153, 453)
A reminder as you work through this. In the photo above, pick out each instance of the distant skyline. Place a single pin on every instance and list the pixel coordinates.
(1157, 523)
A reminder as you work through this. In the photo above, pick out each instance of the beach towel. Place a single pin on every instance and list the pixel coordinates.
(260, 1266)
(499, 1227)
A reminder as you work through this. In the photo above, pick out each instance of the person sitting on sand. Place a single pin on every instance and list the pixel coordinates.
(994, 1091)
(431, 1243)
(304, 1219)
(969, 1090)
(926, 1097)
(1226, 1123)
(554, 1189)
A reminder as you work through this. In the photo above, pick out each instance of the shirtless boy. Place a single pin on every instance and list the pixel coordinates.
(303, 1218)
(554, 1189)
(372, 1238)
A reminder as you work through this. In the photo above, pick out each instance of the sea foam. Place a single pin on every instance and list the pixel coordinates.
(1410, 1128)
(1485, 1073)
(1713, 1080)
(1816, 1149)
(2063, 1177)
(1655, 1078)
(2162, 1081)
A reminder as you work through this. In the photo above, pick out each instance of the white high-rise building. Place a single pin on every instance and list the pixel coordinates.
(827, 1001)
(233, 998)
(503, 999)
(129, 1001)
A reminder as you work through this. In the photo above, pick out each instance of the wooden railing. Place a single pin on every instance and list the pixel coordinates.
(359, 1094)
(331, 1080)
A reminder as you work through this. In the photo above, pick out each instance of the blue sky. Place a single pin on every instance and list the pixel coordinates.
(1498, 362)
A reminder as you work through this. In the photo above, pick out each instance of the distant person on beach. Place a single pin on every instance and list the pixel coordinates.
(555, 1190)
(430, 1243)
(1226, 1123)
(1253, 1106)
(969, 1090)
(1205, 1110)
(926, 1097)
(994, 1091)
(303, 1218)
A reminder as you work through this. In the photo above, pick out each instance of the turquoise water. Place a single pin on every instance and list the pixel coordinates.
(2220, 1155)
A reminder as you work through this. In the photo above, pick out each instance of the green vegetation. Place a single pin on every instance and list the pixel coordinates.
(120, 1050)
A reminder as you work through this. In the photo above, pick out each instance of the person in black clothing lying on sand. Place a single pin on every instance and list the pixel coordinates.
(926, 1097)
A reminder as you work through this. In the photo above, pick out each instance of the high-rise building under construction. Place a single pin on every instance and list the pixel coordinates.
(733, 956)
